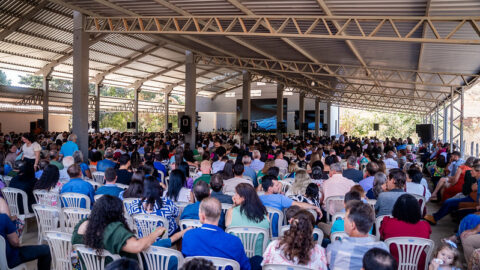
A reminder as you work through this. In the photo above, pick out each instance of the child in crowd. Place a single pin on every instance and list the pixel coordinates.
(446, 257)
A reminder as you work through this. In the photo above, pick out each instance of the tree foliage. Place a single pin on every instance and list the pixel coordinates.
(3, 79)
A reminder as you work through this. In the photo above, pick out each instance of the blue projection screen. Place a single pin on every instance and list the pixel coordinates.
(263, 113)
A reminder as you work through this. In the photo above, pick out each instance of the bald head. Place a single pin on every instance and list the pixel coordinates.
(210, 211)
(205, 167)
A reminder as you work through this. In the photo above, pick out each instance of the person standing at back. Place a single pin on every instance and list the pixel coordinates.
(69, 147)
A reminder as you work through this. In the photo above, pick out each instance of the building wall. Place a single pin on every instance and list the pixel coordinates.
(20, 122)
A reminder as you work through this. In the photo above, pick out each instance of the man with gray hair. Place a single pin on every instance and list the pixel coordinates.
(248, 171)
(351, 172)
(257, 164)
(390, 163)
(211, 240)
(66, 162)
(108, 162)
(69, 147)
(53, 154)
(336, 184)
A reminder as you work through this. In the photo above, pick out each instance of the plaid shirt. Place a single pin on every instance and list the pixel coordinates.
(348, 252)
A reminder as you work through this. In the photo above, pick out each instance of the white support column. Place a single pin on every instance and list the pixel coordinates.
(166, 106)
(329, 119)
(317, 116)
(80, 82)
(190, 95)
(46, 96)
(462, 107)
(451, 118)
(437, 136)
(301, 114)
(246, 103)
(445, 122)
(98, 86)
(136, 92)
(280, 88)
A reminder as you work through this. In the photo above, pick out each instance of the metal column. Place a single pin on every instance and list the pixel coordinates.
(136, 92)
(445, 122)
(462, 104)
(246, 103)
(280, 88)
(190, 95)
(452, 117)
(166, 105)
(437, 136)
(80, 82)
(329, 118)
(97, 105)
(317, 116)
(46, 95)
(301, 114)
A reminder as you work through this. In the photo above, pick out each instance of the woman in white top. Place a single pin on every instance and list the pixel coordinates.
(177, 192)
(31, 150)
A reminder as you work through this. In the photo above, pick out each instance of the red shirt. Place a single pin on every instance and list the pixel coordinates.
(392, 227)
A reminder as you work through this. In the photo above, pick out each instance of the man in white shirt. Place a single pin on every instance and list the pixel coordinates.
(230, 184)
(66, 162)
(257, 164)
(390, 163)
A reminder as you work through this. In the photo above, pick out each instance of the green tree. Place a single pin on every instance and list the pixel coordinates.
(3, 79)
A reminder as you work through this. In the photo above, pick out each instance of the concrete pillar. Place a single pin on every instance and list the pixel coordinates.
(462, 107)
(280, 88)
(246, 103)
(451, 118)
(445, 122)
(97, 105)
(166, 106)
(301, 113)
(80, 82)
(317, 116)
(46, 95)
(135, 107)
(437, 137)
(190, 95)
(329, 119)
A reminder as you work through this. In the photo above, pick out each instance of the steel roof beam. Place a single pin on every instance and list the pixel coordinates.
(22, 20)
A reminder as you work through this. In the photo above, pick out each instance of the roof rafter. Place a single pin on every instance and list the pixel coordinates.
(22, 20)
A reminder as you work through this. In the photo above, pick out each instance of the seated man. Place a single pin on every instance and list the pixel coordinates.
(351, 172)
(336, 185)
(17, 254)
(372, 169)
(78, 185)
(206, 169)
(230, 184)
(338, 225)
(200, 191)
(66, 162)
(395, 188)
(378, 259)
(108, 162)
(348, 252)
(110, 188)
(210, 240)
(216, 184)
(124, 175)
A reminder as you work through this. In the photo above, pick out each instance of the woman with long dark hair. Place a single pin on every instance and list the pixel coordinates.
(248, 211)
(185, 168)
(177, 191)
(49, 182)
(152, 202)
(297, 246)
(227, 171)
(134, 190)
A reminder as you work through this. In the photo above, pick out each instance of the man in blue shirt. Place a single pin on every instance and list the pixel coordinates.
(69, 147)
(110, 188)
(78, 185)
(211, 240)
(200, 191)
(17, 254)
(102, 165)
(157, 164)
(246, 160)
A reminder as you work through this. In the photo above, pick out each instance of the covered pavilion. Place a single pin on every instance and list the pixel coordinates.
(409, 56)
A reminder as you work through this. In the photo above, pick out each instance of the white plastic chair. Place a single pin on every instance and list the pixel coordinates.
(74, 200)
(333, 204)
(45, 197)
(220, 263)
(181, 206)
(316, 231)
(284, 267)
(3, 259)
(192, 170)
(11, 196)
(71, 217)
(98, 177)
(91, 259)
(372, 203)
(339, 235)
(338, 215)
(93, 168)
(249, 237)
(60, 244)
(285, 186)
(272, 212)
(122, 186)
(159, 258)
(48, 219)
(126, 205)
(410, 250)
(7, 180)
(147, 223)
(378, 223)
(421, 201)
(95, 185)
(97, 197)
(225, 207)
(185, 223)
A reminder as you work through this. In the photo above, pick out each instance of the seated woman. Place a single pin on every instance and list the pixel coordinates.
(107, 229)
(135, 189)
(177, 191)
(25, 180)
(152, 202)
(248, 211)
(450, 186)
(379, 186)
(302, 180)
(78, 159)
(49, 182)
(297, 246)
(312, 195)
(406, 222)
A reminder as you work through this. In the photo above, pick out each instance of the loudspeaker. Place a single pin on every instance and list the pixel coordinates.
(33, 126)
(305, 127)
(185, 124)
(129, 126)
(324, 127)
(170, 126)
(244, 126)
(376, 127)
(425, 132)
(282, 127)
(94, 124)
(41, 124)
(133, 125)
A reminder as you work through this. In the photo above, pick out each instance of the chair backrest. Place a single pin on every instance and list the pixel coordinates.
(99, 177)
(60, 244)
(276, 220)
(159, 258)
(185, 223)
(410, 250)
(126, 205)
(71, 217)
(72, 199)
(147, 223)
(283, 267)
(225, 207)
(97, 197)
(11, 196)
(3, 255)
(122, 186)
(46, 197)
(421, 201)
(285, 185)
(192, 170)
(339, 235)
(378, 223)
(95, 184)
(372, 203)
(316, 232)
(249, 237)
(7, 180)
(220, 263)
(338, 215)
(333, 204)
(181, 206)
(48, 219)
(91, 259)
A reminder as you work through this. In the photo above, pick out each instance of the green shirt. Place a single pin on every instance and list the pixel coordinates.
(58, 164)
(115, 236)
(240, 219)
(205, 178)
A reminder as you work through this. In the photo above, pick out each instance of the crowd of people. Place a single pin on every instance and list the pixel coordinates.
(159, 172)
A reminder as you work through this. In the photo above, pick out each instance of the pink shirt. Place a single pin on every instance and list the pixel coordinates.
(337, 185)
(274, 255)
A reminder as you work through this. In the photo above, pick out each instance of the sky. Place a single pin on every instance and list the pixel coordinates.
(13, 76)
